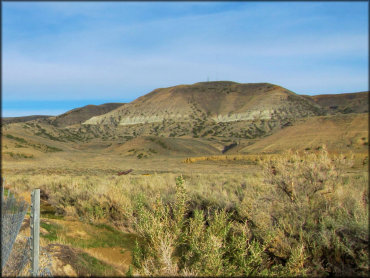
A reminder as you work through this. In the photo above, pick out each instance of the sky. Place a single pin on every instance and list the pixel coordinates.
(57, 56)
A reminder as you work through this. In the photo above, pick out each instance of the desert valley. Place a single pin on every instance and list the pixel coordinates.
(213, 178)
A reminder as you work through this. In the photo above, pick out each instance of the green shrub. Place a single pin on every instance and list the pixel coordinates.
(19, 139)
(319, 229)
(206, 244)
(18, 155)
(306, 220)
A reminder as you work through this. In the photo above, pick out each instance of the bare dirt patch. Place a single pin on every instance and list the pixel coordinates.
(120, 258)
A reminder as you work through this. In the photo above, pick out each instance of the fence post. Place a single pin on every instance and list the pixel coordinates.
(2, 190)
(35, 231)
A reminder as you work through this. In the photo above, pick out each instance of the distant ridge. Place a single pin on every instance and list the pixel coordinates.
(8, 120)
(79, 115)
(344, 103)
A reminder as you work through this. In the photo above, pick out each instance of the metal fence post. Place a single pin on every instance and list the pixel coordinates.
(35, 231)
(2, 190)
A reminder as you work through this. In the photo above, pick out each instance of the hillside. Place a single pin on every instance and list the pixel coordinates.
(340, 133)
(219, 101)
(9, 120)
(206, 108)
(143, 147)
(79, 115)
(207, 118)
(344, 103)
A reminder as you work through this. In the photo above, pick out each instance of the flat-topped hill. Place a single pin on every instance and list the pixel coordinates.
(221, 101)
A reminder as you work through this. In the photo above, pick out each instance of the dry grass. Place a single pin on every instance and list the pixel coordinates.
(342, 133)
(249, 158)
(287, 223)
(306, 218)
(359, 157)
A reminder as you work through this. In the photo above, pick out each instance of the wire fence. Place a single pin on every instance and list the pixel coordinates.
(12, 215)
(19, 263)
(19, 254)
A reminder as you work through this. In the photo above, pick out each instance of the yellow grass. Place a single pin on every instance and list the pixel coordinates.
(359, 158)
(245, 157)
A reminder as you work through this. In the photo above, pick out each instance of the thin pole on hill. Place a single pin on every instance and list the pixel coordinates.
(35, 231)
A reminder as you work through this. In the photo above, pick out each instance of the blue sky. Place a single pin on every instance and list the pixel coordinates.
(61, 55)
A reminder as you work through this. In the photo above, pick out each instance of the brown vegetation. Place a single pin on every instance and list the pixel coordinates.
(302, 214)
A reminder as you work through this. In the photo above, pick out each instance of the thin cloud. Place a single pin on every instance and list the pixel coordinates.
(113, 50)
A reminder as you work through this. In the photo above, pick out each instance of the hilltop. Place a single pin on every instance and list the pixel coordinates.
(219, 102)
